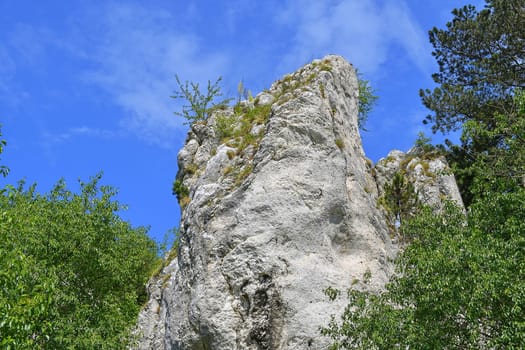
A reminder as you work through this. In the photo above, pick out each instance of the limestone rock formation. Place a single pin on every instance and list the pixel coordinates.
(428, 172)
(279, 203)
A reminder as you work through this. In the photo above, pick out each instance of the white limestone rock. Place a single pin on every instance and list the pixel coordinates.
(432, 178)
(264, 99)
(267, 227)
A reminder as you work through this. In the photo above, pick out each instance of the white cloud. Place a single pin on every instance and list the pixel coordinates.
(137, 54)
(7, 69)
(50, 139)
(21, 48)
(365, 32)
(136, 50)
(133, 51)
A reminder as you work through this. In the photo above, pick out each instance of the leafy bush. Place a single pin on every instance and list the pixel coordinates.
(225, 126)
(457, 285)
(72, 272)
(180, 190)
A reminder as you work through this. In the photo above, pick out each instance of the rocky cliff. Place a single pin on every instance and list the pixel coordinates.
(279, 203)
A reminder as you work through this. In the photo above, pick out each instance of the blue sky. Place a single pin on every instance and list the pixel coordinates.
(85, 85)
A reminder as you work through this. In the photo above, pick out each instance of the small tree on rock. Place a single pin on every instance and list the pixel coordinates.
(400, 199)
(200, 104)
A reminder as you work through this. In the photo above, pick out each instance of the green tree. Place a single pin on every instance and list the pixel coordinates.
(200, 104)
(502, 166)
(73, 273)
(367, 101)
(422, 145)
(400, 199)
(458, 284)
(481, 57)
(502, 161)
(26, 305)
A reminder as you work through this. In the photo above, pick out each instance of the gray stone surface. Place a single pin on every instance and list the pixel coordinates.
(430, 175)
(264, 99)
(256, 251)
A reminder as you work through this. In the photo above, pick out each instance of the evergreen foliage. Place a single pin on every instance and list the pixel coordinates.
(400, 199)
(501, 167)
(481, 57)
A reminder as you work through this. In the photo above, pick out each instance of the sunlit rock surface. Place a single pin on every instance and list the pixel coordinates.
(281, 205)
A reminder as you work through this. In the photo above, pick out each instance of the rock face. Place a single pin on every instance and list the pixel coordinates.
(279, 203)
(428, 172)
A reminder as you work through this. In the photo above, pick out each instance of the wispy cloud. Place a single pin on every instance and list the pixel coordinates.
(21, 48)
(7, 69)
(365, 32)
(29, 42)
(136, 53)
(52, 139)
(132, 51)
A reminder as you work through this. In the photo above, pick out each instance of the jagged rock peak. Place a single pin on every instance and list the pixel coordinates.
(279, 203)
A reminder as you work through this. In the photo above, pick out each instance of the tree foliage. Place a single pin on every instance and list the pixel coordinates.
(491, 156)
(459, 280)
(400, 199)
(458, 284)
(72, 273)
(200, 104)
(502, 166)
(481, 57)
(367, 101)
(423, 145)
